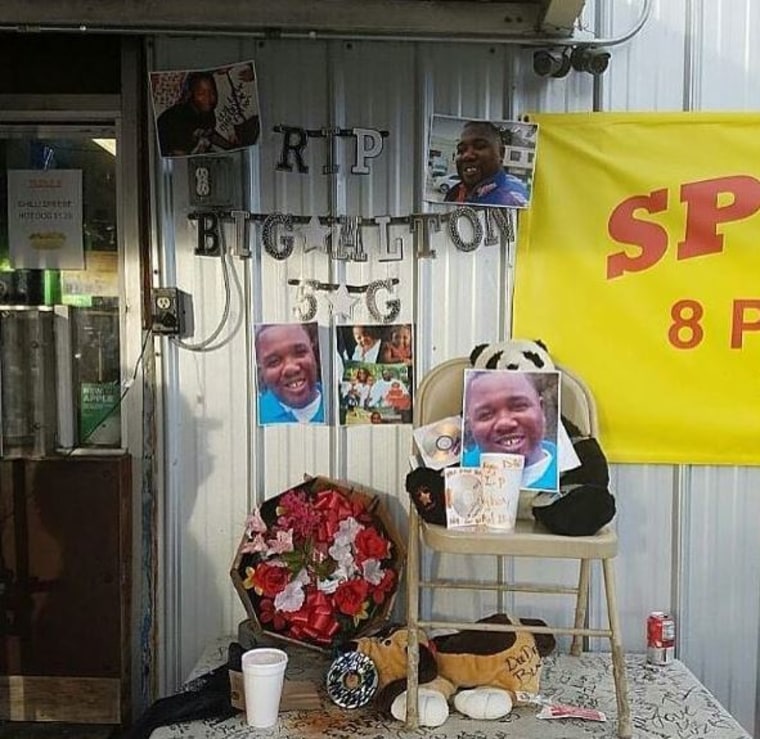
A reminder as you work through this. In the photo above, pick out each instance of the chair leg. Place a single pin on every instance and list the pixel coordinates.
(618, 658)
(581, 604)
(412, 617)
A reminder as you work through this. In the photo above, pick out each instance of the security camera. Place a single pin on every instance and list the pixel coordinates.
(548, 63)
(592, 60)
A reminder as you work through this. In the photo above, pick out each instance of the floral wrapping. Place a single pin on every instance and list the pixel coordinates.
(318, 564)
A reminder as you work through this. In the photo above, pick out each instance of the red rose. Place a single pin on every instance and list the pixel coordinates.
(384, 587)
(270, 579)
(370, 545)
(350, 596)
(267, 614)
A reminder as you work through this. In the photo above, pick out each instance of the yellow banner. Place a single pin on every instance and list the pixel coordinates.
(638, 264)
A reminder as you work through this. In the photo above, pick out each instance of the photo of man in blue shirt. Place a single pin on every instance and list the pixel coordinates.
(479, 163)
(505, 412)
(290, 388)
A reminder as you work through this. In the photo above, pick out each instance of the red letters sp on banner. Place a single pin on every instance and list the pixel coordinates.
(703, 214)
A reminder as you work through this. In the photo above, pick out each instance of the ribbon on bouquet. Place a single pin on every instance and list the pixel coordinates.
(315, 620)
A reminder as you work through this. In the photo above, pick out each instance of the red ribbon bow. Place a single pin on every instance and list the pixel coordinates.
(315, 620)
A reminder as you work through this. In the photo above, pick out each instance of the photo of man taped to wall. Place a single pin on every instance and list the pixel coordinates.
(199, 111)
(479, 162)
(289, 374)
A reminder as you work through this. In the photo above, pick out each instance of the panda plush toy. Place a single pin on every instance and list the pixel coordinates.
(584, 504)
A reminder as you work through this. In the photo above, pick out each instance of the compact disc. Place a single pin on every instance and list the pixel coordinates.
(439, 442)
(445, 443)
(443, 449)
(351, 680)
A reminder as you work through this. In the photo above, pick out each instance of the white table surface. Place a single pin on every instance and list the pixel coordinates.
(666, 703)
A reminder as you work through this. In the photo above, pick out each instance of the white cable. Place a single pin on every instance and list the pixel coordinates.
(241, 298)
(646, 10)
(204, 345)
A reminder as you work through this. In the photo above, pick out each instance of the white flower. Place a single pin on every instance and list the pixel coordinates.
(347, 531)
(328, 586)
(344, 561)
(291, 597)
(373, 572)
(341, 552)
(345, 570)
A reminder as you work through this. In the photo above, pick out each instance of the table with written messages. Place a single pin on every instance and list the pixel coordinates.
(666, 703)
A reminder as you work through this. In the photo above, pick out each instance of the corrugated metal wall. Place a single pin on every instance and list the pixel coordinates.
(688, 540)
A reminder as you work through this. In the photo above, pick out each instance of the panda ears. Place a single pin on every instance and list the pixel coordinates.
(476, 352)
(533, 358)
(493, 361)
(486, 356)
(480, 357)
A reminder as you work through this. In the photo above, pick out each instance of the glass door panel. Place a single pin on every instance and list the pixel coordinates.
(59, 253)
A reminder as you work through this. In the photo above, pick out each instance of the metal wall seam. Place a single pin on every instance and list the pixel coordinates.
(693, 41)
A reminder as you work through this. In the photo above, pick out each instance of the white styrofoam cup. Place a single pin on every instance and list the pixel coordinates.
(263, 676)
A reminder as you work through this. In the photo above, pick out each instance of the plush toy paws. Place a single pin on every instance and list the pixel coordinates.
(483, 703)
(432, 707)
(426, 489)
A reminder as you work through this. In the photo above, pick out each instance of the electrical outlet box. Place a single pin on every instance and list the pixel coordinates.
(171, 311)
(214, 182)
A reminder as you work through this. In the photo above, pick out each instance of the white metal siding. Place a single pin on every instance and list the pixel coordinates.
(688, 539)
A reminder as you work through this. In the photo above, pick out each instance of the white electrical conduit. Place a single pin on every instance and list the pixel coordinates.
(207, 345)
(509, 39)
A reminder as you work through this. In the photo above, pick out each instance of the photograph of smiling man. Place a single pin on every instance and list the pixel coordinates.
(513, 412)
(478, 162)
(289, 373)
(201, 111)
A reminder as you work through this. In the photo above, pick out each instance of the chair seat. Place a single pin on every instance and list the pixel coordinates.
(529, 539)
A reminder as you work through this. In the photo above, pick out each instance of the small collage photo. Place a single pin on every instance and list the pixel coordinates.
(376, 380)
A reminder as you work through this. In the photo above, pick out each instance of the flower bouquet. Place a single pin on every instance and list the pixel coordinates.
(318, 564)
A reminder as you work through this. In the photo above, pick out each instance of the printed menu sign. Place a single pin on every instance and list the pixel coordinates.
(45, 218)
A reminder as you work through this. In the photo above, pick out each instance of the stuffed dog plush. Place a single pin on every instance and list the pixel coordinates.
(481, 670)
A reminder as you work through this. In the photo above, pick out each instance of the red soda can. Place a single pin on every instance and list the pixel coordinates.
(661, 638)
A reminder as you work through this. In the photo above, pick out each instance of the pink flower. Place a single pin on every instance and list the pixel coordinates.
(283, 542)
(254, 524)
(257, 544)
(296, 513)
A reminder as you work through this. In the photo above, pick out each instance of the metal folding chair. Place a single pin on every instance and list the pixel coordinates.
(440, 396)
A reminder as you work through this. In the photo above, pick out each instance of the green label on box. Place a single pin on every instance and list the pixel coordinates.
(99, 414)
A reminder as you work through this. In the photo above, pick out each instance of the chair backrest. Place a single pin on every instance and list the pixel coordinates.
(440, 395)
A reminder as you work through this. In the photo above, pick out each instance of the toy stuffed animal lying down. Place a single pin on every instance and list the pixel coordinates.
(481, 670)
